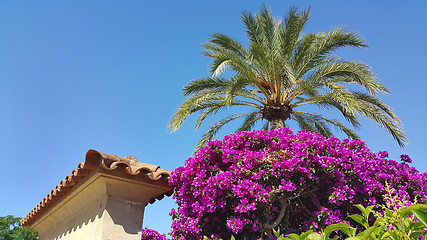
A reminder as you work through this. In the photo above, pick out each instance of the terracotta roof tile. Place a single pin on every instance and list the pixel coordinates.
(93, 161)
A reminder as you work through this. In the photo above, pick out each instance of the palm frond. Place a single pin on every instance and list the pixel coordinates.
(337, 94)
(287, 76)
(222, 58)
(231, 87)
(207, 112)
(351, 71)
(203, 100)
(202, 84)
(261, 59)
(207, 136)
(223, 41)
(377, 102)
(323, 45)
(266, 23)
(341, 99)
(291, 30)
(251, 27)
(210, 102)
(249, 122)
(377, 115)
(302, 122)
(188, 107)
(312, 123)
(320, 120)
(266, 126)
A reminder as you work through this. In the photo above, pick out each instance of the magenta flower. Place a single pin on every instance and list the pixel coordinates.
(238, 185)
(405, 158)
(149, 234)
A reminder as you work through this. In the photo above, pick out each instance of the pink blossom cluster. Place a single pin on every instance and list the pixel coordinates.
(149, 234)
(239, 185)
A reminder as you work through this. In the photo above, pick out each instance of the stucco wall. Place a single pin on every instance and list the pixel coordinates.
(104, 207)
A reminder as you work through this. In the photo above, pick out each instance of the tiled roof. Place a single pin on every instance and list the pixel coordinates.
(94, 159)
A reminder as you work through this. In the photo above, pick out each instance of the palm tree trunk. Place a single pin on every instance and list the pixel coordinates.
(277, 123)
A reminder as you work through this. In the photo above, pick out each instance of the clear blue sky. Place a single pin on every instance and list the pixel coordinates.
(107, 75)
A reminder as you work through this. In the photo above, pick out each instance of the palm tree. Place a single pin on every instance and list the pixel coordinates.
(279, 72)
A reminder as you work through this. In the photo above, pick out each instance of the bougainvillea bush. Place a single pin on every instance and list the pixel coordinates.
(252, 182)
(150, 234)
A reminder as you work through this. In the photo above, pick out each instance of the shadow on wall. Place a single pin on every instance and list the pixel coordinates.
(106, 218)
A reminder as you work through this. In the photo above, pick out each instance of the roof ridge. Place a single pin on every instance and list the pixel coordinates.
(93, 160)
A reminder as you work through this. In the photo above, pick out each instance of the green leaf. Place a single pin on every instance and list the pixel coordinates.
(416, 225)
(416, 234)
(361, 208)
(388, 213)
(368, 211)
(344, 227)
(380, 231)
(232, 237)
(304, 236)
(353, 232)
(407, 211)
(421, 216)
(393, 234)
(293, 236)
(359, 219)
(276, 232)
(314, 236)
(386, 235)
(367, 233)
(282, 238)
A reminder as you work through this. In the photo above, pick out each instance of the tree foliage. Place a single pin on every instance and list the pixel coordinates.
(397, 220)
(10, 229)
(280, 71)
